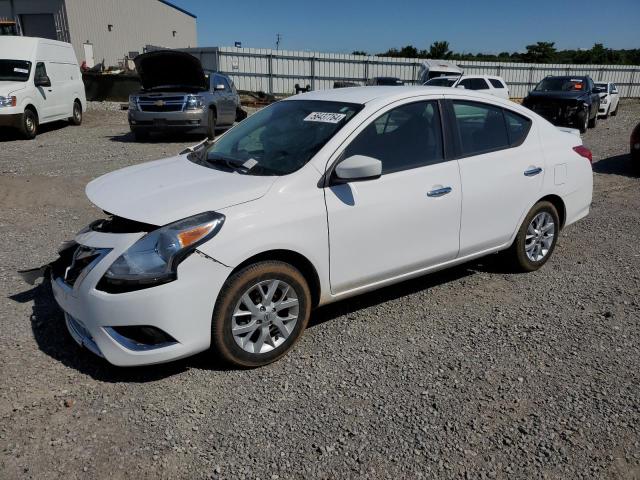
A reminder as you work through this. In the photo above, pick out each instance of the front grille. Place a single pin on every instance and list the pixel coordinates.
(75, 262)
(161, 104)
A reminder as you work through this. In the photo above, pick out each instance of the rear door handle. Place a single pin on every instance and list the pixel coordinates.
(532, 172)
(439, 192)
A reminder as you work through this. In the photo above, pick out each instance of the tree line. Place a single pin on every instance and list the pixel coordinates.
(540, 52)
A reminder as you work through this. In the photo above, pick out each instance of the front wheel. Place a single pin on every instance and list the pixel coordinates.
(584, 122)
(594, 121)
(261, 312)
(29, 126)
(615, 112)
(536, 238)
(211, 124)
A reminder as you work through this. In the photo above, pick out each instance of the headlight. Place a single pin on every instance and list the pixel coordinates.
(8, 101)
(604, 100)
(155, 257)
(133, 103)
(194, 102)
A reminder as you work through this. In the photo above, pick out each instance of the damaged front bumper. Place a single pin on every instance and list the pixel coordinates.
(178, 313)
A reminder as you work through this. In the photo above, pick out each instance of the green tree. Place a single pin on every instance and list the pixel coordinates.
(541, 52)
(440, 50)
(359, 52)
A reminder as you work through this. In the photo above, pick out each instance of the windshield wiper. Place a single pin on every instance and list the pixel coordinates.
(230, 163)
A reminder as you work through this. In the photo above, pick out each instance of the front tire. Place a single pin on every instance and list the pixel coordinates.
(593, 121)
(536, 238)
(261, 312)
(584, 123)
(29, 126)
(615, 112)
(211, 124)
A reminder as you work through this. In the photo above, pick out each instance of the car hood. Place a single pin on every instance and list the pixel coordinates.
(557, 95)
(164, 191)
(7, 88)
(169, 67)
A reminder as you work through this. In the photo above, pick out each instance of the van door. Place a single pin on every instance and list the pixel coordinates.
(45, 95)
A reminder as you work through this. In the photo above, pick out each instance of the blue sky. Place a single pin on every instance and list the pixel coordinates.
(489, 26)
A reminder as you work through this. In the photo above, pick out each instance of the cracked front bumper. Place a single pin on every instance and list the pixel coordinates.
(182, 308)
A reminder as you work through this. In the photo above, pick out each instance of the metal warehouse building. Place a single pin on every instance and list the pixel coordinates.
(105, 30)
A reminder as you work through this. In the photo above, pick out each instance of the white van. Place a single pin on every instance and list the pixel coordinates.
(40, 82)
(437, 68)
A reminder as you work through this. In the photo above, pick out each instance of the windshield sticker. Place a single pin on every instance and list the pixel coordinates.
(325, 117)
(20, 70)
(249, 164)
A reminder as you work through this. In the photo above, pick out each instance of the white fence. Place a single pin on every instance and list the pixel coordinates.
(278, 72)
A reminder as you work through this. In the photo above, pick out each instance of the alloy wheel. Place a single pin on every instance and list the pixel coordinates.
(265, 316)
(539, 237)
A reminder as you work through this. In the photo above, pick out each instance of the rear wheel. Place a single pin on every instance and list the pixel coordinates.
(76, 118)
(29, 126)
(211, 124)
(536, 238)
(261, 312)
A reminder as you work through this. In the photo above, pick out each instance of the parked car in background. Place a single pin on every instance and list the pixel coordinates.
(197, 252)
(566, 101)
(40, 82)
(437, 68)
(385, 81)
(178, 95)
(490, 84)
(609, 99)
(635, 147)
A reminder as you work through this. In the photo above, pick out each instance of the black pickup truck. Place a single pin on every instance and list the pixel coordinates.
(566, 101)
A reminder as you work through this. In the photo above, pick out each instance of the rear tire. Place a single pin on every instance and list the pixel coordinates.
(536, 239)
(29, 126)
(211, 124)
(260, 313)
(76, 118)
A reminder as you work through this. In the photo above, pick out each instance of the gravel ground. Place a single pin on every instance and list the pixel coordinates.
(468, 373)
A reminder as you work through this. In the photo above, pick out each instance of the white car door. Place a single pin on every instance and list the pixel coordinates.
(404, 221)
(501, 169)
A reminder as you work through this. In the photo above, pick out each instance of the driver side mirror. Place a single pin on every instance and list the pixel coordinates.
(42, 81)
(358, 168)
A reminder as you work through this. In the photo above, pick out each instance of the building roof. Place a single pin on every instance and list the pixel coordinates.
(177, 8)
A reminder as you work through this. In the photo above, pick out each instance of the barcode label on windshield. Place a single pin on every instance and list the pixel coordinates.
(325, 117)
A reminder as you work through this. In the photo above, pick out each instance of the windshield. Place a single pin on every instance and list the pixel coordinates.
(441, 82)
(14, 70)
(281, 138)
(561, 84)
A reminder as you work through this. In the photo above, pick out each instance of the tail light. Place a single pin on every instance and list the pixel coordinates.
(584, 152)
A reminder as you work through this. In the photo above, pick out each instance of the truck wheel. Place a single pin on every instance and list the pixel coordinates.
(594, 121)
(211, 124)
(29, 126)
(76, 118)
(140, 135)
(584, 123)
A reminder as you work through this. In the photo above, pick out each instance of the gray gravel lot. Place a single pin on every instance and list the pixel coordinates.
(468, 373)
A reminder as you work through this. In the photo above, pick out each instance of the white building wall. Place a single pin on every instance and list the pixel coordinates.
(135, 24)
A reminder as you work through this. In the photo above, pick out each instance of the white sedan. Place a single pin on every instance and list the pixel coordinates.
(313, 199)
(609, 99)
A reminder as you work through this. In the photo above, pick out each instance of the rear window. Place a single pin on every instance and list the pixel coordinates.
(496, 83)
(517, 127)
(474, 84)
(482, 127)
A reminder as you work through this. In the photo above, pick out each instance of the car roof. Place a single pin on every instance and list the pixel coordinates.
(362, 95)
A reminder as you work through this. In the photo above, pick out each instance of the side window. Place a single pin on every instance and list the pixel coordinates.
(409, 136)
(225, 82)
(41, 70)
(482, 127)
(496, 83)
(517, 126)
(218, 80)
(474, 84)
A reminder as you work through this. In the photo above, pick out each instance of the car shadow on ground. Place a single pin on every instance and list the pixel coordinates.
(616, 165)
(169, 137)
(52, 337)
(12, 134)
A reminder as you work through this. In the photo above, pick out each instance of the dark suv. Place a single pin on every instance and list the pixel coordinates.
(566, 101)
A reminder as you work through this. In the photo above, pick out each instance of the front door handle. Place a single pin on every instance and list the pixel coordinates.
(439, 192)
(532, 172)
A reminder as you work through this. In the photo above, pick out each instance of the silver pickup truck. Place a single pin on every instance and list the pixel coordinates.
(178, 95)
